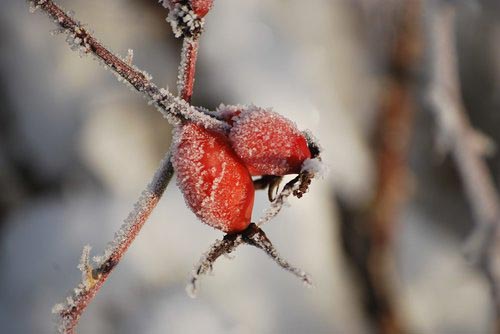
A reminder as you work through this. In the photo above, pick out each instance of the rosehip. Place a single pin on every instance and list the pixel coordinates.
(268, 143)
(215, 182)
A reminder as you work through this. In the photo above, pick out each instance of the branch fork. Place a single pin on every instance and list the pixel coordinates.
(176, 110)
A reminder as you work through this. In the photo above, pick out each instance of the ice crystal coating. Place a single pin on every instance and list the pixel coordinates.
(315, 167)
(184, 19)
(268, 143)
(199, 7)
(215, 183)
(85, 267)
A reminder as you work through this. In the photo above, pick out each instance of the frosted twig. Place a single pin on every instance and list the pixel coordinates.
(205, 265)
(187, 68)
(173, 108)
(257, 238)
(93, 278)
(483, 245)
(252, 236)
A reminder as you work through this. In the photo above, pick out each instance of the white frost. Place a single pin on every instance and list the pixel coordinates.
(316, 167)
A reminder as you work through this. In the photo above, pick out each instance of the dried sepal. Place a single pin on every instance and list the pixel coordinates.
(186, 17)
(253, 236)
(297, 187)
(256, 237)
(221, 247)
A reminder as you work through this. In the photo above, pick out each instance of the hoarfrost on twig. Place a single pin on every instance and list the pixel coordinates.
(252, 236)
(174, 109)
(93, 278)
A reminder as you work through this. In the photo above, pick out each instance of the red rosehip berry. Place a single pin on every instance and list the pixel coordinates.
(215, 182)
(268, 143)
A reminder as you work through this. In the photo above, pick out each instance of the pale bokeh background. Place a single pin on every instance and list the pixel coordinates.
(77, 148)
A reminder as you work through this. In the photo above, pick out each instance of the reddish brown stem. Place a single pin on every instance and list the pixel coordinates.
(187, 68)
(93, 278)
(173, 108)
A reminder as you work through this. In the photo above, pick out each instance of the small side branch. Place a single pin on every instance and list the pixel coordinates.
(461, 139)
(173, 108)
(94, 277)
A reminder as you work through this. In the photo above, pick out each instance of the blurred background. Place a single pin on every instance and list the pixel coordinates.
(77, 148)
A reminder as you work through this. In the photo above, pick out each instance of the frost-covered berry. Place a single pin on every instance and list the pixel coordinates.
(215, 182)
(268, 143)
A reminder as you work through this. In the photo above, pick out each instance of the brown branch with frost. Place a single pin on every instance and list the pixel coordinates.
(93, 277)
(173, 108)
(462, 141)
(368, 233)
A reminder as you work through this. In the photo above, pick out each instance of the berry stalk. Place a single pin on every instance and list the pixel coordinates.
(187, 69)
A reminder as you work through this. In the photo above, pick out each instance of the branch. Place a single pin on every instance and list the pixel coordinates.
(174, 109)
(368, 233)
(94, 277)
(461, 139)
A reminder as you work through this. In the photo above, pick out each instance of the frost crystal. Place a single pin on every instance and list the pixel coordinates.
(86, 268)
(184, 20)
(316, 167)
(58, 308)
(130, 57)
(165, 3)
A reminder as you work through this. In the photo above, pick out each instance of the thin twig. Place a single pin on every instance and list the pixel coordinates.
(94, 277)
(173, 108)
(444, 92)
(252, 236)
(368, 235)
(187, 68)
